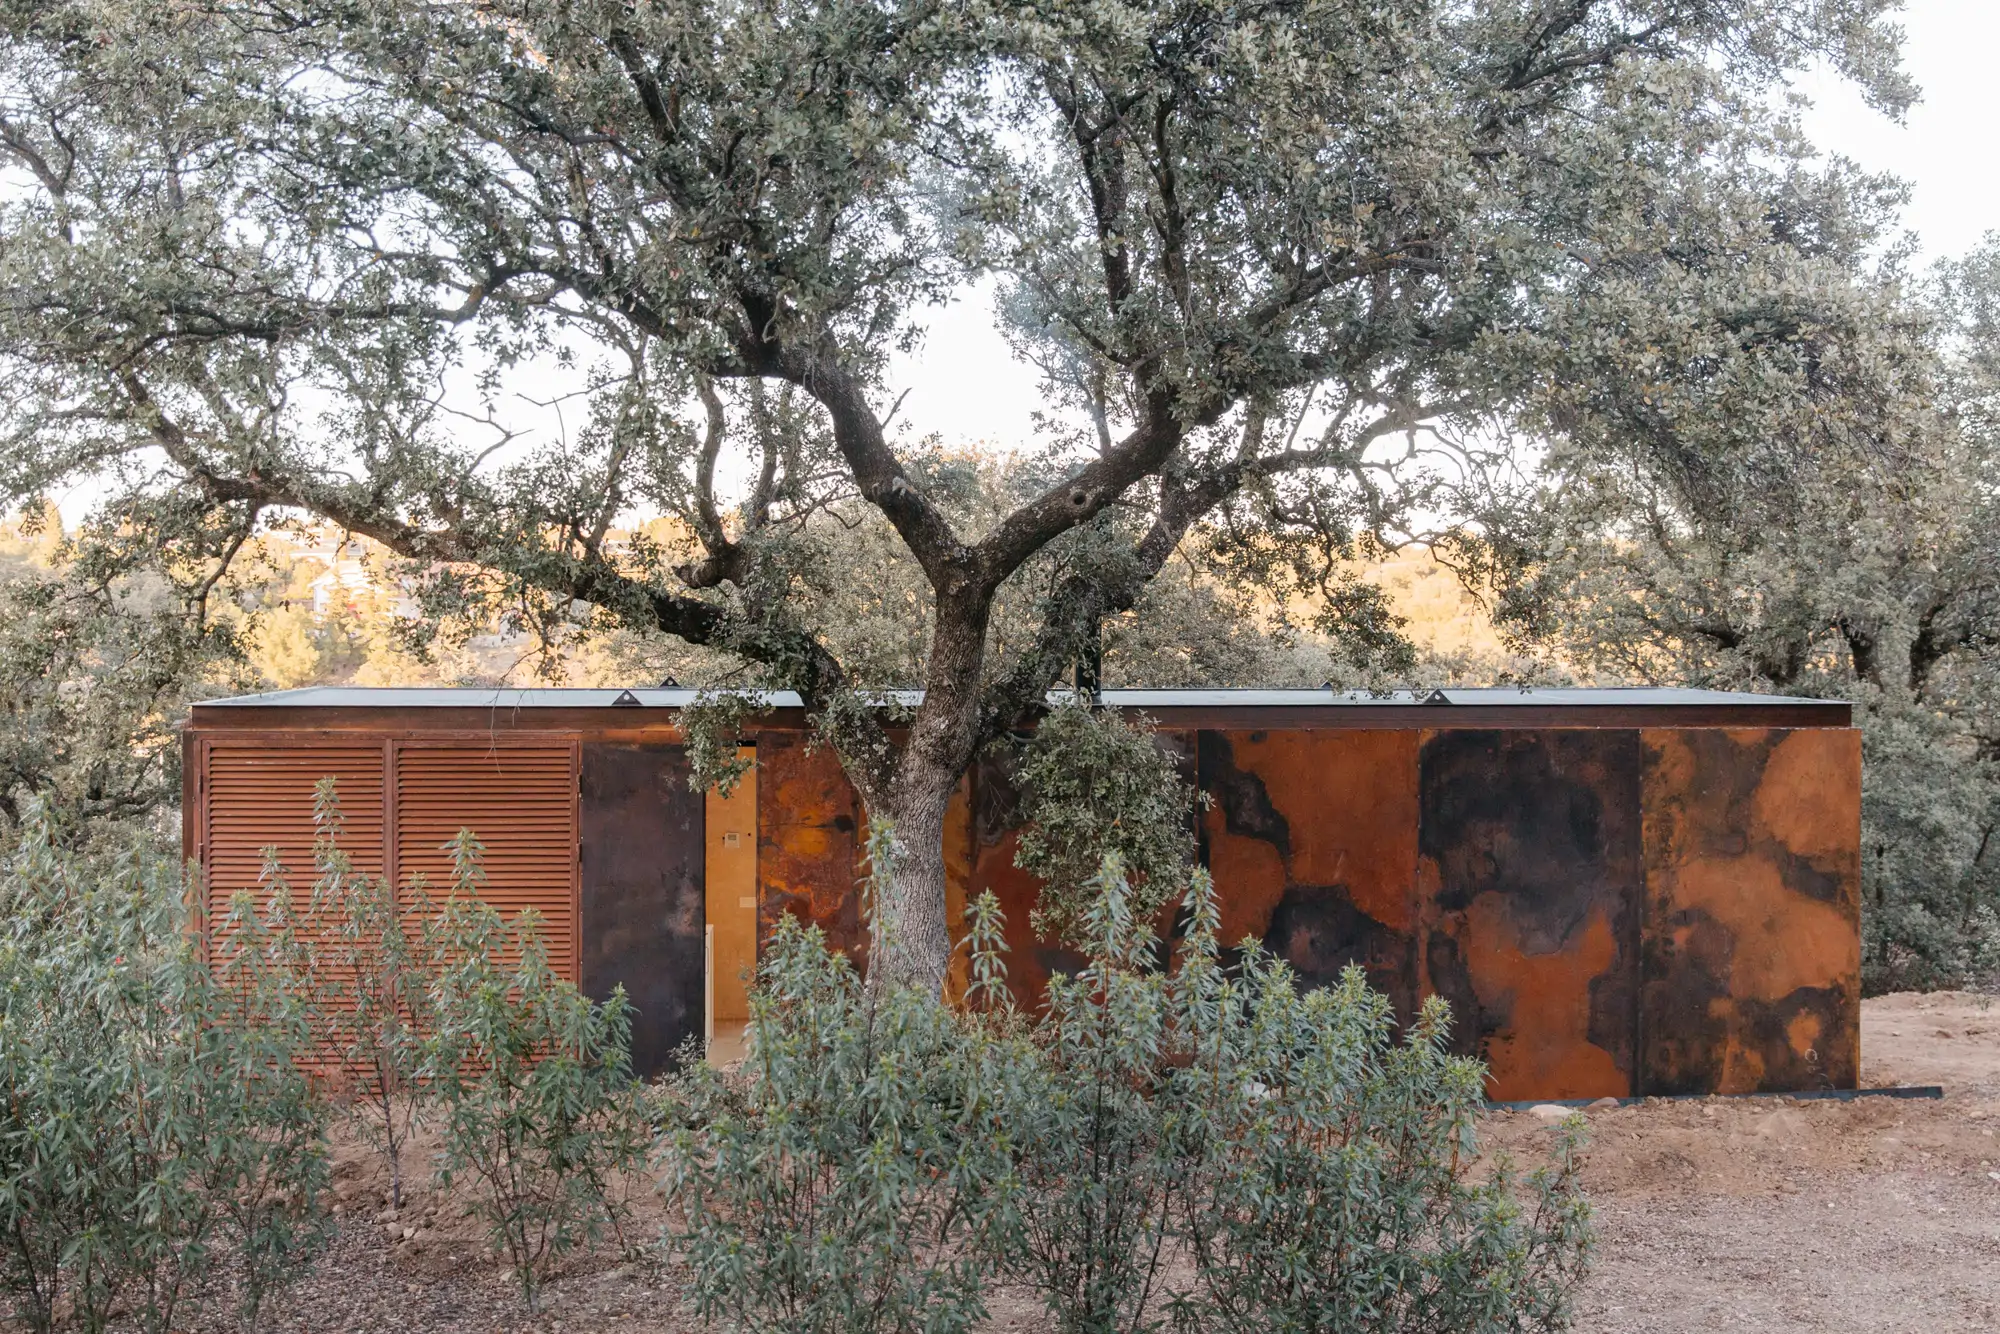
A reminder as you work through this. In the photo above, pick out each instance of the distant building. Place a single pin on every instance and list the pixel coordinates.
(351, 571)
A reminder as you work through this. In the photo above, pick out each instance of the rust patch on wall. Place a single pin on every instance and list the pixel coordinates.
(1530, 873)
(995, 829)
(1752, 962)
(1311, 838)
(809, 844)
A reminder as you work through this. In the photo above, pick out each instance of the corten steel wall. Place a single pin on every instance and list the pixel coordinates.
(1608, 911)
(1751, 950)
(810, 842)
(1615, 899)
(812, 838)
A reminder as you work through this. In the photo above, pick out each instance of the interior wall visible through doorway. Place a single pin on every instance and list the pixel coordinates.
(732, 893)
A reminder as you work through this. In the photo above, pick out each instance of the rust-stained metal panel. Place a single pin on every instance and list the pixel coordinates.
(809, 843)
(995, 821)
(1609, 911)
(641, 855)
(1752, 956)
(521, 803)
(1311, 838)
(1530, 873)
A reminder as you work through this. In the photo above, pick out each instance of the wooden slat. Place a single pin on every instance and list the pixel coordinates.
(260, 796)
(520, 802)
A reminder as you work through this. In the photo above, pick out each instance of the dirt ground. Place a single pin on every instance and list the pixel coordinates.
(1764, 1214)
(1876, 1215)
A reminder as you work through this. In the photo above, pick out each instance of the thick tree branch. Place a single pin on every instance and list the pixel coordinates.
(878, 473)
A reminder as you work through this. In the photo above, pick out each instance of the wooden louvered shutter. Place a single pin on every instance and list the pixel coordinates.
(260, 796)
(520, 802)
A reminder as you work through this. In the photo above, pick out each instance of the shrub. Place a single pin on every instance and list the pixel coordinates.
(155, 1115)
(534, 1084)
(1314, 1172)
(1102, 1154)
(857, 1175)
(1338, 1192)
(370, 985)
(1095, 785)
(1208, 1148)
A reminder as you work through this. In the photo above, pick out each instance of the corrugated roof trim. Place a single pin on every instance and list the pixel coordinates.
(394, 697)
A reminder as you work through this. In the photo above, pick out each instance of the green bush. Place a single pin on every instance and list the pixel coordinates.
(533, 1081)
(1208, 1148)
(1337, 1191)
(1316, 1173)
(1104, 1155)
(156, 1112)
(856, 1177)
(1095, 785)
(370, 985)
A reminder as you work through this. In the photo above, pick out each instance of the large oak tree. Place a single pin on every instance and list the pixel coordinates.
(263, 257)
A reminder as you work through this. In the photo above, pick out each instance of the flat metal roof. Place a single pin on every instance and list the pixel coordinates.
(429, 697)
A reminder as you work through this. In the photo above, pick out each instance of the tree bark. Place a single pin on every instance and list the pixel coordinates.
(910, 935)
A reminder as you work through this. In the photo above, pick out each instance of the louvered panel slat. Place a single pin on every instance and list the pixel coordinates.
(259, 797)
(520, 802)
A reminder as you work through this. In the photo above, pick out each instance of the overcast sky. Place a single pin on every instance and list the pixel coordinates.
(965, 387)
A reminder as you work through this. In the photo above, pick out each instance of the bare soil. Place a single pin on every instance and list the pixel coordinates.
(1875, 1215)
(1768, 1214)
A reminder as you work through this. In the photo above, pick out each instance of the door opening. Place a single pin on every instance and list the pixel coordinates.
(732, 911)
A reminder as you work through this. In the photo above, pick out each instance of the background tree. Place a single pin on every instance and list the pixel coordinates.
(1799, 495)
(270, 258)
(99, 658)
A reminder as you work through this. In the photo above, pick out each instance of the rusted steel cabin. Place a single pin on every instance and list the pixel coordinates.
(1620, 892)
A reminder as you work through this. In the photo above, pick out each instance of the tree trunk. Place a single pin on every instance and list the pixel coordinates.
(910, 941)
(910, 936)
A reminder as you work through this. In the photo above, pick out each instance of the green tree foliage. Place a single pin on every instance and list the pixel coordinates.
(156, 1113)
(276, 258)
(1096, 785)
(538, 1109)
(1809, 510)
(95, 672)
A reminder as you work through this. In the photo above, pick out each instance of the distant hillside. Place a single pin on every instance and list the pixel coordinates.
(1443, 618)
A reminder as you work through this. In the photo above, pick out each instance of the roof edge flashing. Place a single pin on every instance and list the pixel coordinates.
(512, 699)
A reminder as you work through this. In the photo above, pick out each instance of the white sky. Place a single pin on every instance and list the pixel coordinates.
(1948, 148)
